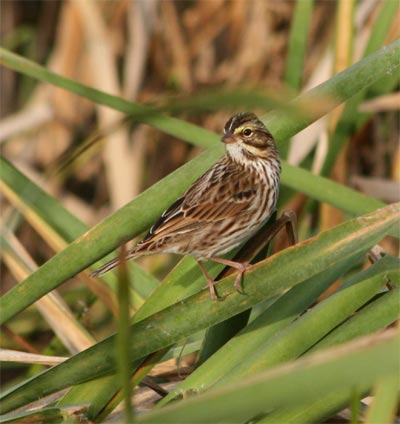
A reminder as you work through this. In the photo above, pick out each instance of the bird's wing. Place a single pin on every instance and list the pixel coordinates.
(217, 195)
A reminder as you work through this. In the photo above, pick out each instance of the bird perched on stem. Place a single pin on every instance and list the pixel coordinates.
(222, 208)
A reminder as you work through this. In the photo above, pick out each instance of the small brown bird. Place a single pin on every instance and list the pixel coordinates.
(224, 207)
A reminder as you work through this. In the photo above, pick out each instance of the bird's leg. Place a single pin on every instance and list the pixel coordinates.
(210, 282)
(239, 266)
(287, 220)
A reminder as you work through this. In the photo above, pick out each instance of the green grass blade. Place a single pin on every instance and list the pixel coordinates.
(357, 364)
(328, 191)
(198, 312)
(298, 43)
(381, 26)
(297, 52)
(350, 117)
(123, 348)
(338, 89)
(241, 98)
(273, 319)
(45, 415)
(318, 410)
(373, 317)
(346, 84)
(33, 197)
(54, 311)
(218, 335)
(32, 200)
(145, 114)
(377, 315)
(385, 401)
(96, 393)
(294, 340)
(183, 281)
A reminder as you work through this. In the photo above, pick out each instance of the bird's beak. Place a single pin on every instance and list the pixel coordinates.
(228, 138)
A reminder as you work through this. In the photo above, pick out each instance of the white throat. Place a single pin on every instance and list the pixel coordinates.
(236, 152)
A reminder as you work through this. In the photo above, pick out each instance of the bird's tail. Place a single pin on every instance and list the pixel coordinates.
(108, 266)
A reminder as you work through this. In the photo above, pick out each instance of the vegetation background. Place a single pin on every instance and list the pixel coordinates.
(103, 102)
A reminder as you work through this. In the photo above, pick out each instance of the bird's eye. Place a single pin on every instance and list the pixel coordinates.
(247, 132)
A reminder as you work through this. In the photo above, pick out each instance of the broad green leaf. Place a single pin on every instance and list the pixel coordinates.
(264, 280)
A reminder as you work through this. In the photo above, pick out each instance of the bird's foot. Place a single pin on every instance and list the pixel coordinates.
(213, 293)
(242, 268)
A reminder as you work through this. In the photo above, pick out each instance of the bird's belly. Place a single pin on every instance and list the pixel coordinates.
(223, 240)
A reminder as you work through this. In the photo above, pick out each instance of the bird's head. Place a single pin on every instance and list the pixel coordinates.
(248, 139)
